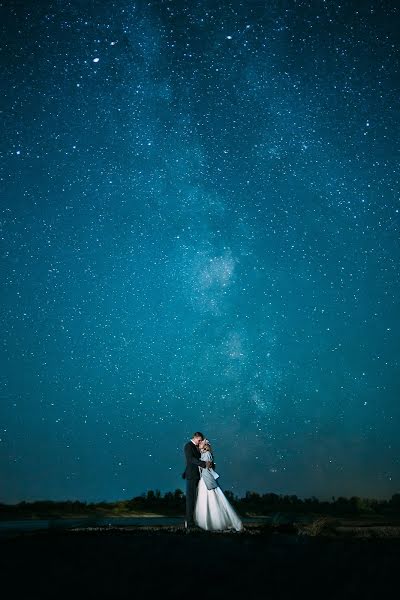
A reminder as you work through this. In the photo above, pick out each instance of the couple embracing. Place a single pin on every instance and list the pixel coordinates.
(206, 505)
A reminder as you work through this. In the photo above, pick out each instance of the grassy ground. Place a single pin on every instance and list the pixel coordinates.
(268, 561)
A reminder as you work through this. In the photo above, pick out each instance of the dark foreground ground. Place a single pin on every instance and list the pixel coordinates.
(259, 562)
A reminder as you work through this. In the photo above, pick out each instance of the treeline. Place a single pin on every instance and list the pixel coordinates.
(173, 503)
(259, 504)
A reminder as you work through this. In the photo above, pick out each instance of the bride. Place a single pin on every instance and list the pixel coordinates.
(212, 510)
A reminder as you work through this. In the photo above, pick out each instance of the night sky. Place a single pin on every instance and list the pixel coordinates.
(199, 231)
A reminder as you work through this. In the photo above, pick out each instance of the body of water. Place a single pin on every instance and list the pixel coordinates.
(9, 528)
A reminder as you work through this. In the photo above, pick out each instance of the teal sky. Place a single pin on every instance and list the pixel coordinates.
(199, 231)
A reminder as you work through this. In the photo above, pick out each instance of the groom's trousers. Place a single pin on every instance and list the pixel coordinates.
(191, 494)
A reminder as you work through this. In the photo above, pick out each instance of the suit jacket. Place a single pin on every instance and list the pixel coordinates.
(193, 462)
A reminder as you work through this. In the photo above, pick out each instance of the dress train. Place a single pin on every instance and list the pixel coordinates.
(213, 511)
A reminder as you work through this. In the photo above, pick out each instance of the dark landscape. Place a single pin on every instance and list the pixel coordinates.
(279, 554)
(279, 562)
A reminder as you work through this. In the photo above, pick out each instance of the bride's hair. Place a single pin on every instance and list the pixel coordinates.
(206, 446)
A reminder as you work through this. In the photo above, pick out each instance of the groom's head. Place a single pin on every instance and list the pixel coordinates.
(197, 437)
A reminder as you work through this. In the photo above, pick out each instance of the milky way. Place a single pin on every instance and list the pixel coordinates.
(199, 231)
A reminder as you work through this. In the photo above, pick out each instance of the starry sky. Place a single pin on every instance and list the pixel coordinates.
(199, 231)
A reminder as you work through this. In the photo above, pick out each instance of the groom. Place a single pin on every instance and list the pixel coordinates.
(192, 474)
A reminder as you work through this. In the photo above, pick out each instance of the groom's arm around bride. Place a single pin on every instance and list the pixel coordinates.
(193, 462)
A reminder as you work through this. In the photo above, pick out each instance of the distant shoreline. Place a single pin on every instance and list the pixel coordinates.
(45, 517)
(171, 505)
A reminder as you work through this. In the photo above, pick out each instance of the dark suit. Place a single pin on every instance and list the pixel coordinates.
(192, 476)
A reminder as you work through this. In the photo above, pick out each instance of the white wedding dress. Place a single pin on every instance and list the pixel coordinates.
(213, 511)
